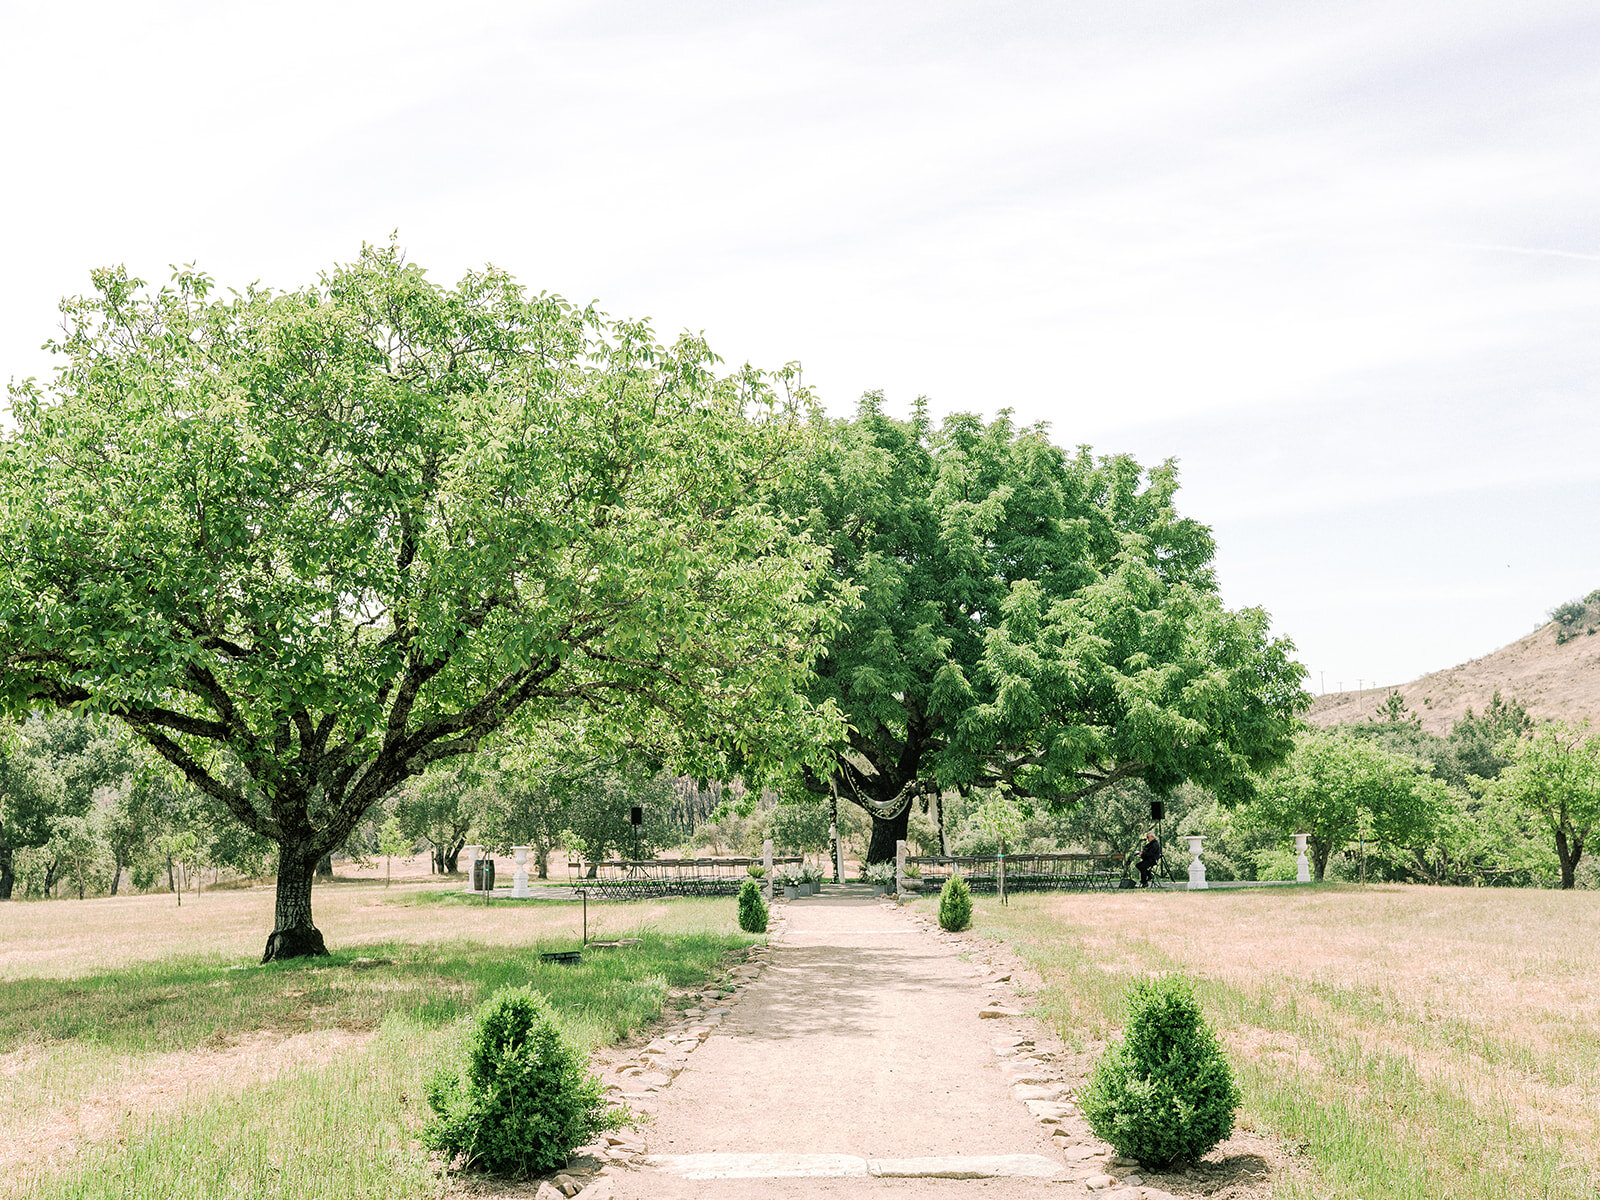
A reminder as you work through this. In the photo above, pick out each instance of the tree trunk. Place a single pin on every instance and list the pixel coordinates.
(544, 862)
(1320, 850)
(293, 934)
(452, 855)
(50, 877)
(325, 866)
(8, 873)
(116, 872)
(884, 836)
(1569, 850)
(436, 861)
(172, 883)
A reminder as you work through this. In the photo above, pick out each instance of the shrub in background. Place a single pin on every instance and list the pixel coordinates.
(1166, 1093)
(752, 908)
(528, 1099)
(955, 905)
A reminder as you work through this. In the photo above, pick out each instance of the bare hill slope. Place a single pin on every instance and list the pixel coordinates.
(1554, 671)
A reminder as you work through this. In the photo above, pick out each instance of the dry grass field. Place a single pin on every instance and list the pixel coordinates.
(145, 1055)
(1410, 1042)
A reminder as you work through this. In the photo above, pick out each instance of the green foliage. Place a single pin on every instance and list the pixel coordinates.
(1394, 710)
(800, 824)
(1479, 742)
(1555, 776)
(1028, 617)
(752, 908)
(955, 905)
(1570, 614)
(32, 797)
(1475, 840)
(1340, 788)
(1166, 1093)
(330, 536)
(527, 1099)
(81, 852)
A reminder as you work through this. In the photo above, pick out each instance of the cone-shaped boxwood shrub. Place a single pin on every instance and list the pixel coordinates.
(1167, 1092)
(528, 1099)
(955, 904)
(752, 908)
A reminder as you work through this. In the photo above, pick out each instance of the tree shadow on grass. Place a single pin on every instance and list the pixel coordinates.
(180, 1005)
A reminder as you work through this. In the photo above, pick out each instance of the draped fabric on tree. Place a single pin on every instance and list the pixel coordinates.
(1028, 618)
(307, 543)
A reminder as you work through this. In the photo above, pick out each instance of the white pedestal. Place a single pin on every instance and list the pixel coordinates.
(1302, 873)
(1197, 869)
(519, 880)
(473, 853)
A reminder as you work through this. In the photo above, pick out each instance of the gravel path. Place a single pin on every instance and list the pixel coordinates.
(862, 1041)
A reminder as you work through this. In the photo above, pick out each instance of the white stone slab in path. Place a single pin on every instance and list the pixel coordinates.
(760, 1166)
(848, 1166)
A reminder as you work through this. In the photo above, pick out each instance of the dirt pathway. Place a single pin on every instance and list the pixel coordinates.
(858, 1063)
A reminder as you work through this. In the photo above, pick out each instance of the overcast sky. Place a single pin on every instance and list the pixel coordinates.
(1342, 261)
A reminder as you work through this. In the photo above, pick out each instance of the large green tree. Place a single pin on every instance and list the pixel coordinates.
(334, 535)
(1554, 774)
(1028, 618)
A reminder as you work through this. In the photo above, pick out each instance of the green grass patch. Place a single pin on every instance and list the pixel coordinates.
(342, 1129)
(172, 1006)
(346, 1131)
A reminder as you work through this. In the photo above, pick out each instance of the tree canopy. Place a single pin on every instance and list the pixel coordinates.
(1028, 618)
(307, 543)
(1340, 788)
(1554, 773)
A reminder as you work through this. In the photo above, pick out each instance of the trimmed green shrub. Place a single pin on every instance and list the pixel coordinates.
(528, 1099)
(955, 905)
(1166, 1093)
(752, 908)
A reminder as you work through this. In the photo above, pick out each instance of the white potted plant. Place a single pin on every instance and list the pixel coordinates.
(788, 879)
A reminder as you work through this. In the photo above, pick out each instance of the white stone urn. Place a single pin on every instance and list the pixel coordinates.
(519, 880)
(1302, 872)
(473, 853)
(1197, 869)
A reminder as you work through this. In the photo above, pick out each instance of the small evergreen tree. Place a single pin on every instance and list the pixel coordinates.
(1167, 1092)
(955, 905)
(752, 908)
(528, 1099)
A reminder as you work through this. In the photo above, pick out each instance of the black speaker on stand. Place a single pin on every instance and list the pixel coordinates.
(1158, 812)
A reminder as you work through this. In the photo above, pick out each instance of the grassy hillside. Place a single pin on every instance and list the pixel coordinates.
(1554, 672)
